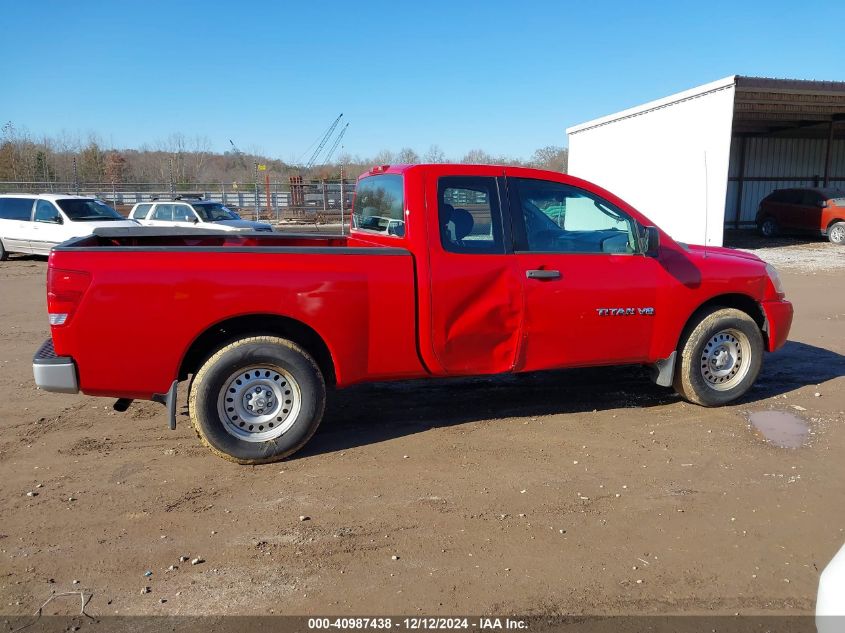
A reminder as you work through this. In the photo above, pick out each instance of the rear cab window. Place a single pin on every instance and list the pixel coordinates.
(379, 205)
(469, 215)
(16, 208)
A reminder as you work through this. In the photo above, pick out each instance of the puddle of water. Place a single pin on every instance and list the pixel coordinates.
(781, 429)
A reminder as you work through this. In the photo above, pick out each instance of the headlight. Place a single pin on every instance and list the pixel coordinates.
(775, 277)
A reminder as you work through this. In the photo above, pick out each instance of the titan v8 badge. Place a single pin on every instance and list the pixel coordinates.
(625, 311)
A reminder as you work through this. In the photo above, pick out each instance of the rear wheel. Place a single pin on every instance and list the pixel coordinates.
(769, 227)
(720, 358)
(836, 233)
(257, 400)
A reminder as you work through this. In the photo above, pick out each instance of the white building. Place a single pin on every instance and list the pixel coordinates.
(700, 161)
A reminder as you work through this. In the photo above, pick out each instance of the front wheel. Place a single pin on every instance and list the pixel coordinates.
(836, 233)
(257, 400)
(4, 255)
(720, 358)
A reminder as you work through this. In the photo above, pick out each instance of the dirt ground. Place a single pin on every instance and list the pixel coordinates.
(577, 492)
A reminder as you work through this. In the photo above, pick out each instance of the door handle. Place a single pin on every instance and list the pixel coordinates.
(543, 274)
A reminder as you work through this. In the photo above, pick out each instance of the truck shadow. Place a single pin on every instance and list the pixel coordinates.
(373, 413)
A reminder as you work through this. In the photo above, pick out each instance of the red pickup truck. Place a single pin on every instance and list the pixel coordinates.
(448, 270)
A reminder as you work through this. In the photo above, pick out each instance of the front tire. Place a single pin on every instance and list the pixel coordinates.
(720, 358)
(4, 254)
(257, 400)
(836, 233)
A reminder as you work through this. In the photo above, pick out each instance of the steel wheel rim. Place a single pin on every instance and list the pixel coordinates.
(259, 403)
(837, 233)
(725, 359)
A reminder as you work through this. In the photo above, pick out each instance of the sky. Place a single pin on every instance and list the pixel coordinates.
(504, 76)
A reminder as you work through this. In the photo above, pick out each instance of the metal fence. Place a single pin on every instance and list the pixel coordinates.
(310, 201)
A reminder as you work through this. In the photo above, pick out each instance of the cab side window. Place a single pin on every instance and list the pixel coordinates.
(163, 212)
(182, 213)
(469, 215)
(560, 218)
(46, 212)
(141, 211)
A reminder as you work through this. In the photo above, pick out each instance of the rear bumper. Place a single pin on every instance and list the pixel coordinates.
(54, 373)
(778, 321)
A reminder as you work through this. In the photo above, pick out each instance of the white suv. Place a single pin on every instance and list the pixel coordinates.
(198, 213)
(35, 223)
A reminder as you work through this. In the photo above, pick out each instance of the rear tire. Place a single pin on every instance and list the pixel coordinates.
(257, 400)
(769, 227)
(836, 233)
(4, 255)
(720, 357)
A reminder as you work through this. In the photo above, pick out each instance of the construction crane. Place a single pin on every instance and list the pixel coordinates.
(238, 153)
(323, 141)
(335, 144)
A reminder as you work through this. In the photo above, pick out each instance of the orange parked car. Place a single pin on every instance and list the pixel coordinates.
(809, 210)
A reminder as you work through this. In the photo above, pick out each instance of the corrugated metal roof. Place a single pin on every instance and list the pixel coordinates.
(762, 106)
(692, 93)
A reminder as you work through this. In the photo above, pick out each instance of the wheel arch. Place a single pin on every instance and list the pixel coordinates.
(742, 302)
(832, 222)
(224, 332)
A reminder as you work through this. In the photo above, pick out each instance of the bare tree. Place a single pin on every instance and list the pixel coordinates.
(551, 157)
(92, 162)
(407, 156)
(384, 157)
(435, 155)
(478, 157)
(115, 167)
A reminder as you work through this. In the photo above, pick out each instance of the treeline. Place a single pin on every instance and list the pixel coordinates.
(184, 160)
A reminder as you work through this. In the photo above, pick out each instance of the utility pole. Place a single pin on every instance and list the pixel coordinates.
(172, 189)
(75, 177)
(255, 164)
(342, 202)
(267, 192)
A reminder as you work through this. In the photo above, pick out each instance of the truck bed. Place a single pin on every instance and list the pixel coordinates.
(161, 290)
(148, 238)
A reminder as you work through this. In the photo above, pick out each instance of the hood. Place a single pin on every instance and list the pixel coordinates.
(721, 251)
(244, 224)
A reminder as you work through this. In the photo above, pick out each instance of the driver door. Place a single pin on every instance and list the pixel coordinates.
(589, 294)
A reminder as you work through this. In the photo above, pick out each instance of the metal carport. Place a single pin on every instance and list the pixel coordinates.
(700, 161)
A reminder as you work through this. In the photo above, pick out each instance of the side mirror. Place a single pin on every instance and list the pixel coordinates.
(821, 204)
(196, 220)
(651, 241)
(57, 219)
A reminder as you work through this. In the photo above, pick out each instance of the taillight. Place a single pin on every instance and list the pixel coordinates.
(64, 292)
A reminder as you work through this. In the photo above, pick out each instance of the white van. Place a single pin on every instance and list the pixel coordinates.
(35, 223)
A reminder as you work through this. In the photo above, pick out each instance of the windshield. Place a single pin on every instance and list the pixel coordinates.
(379, 205)
(88, 210)
(215, 212)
